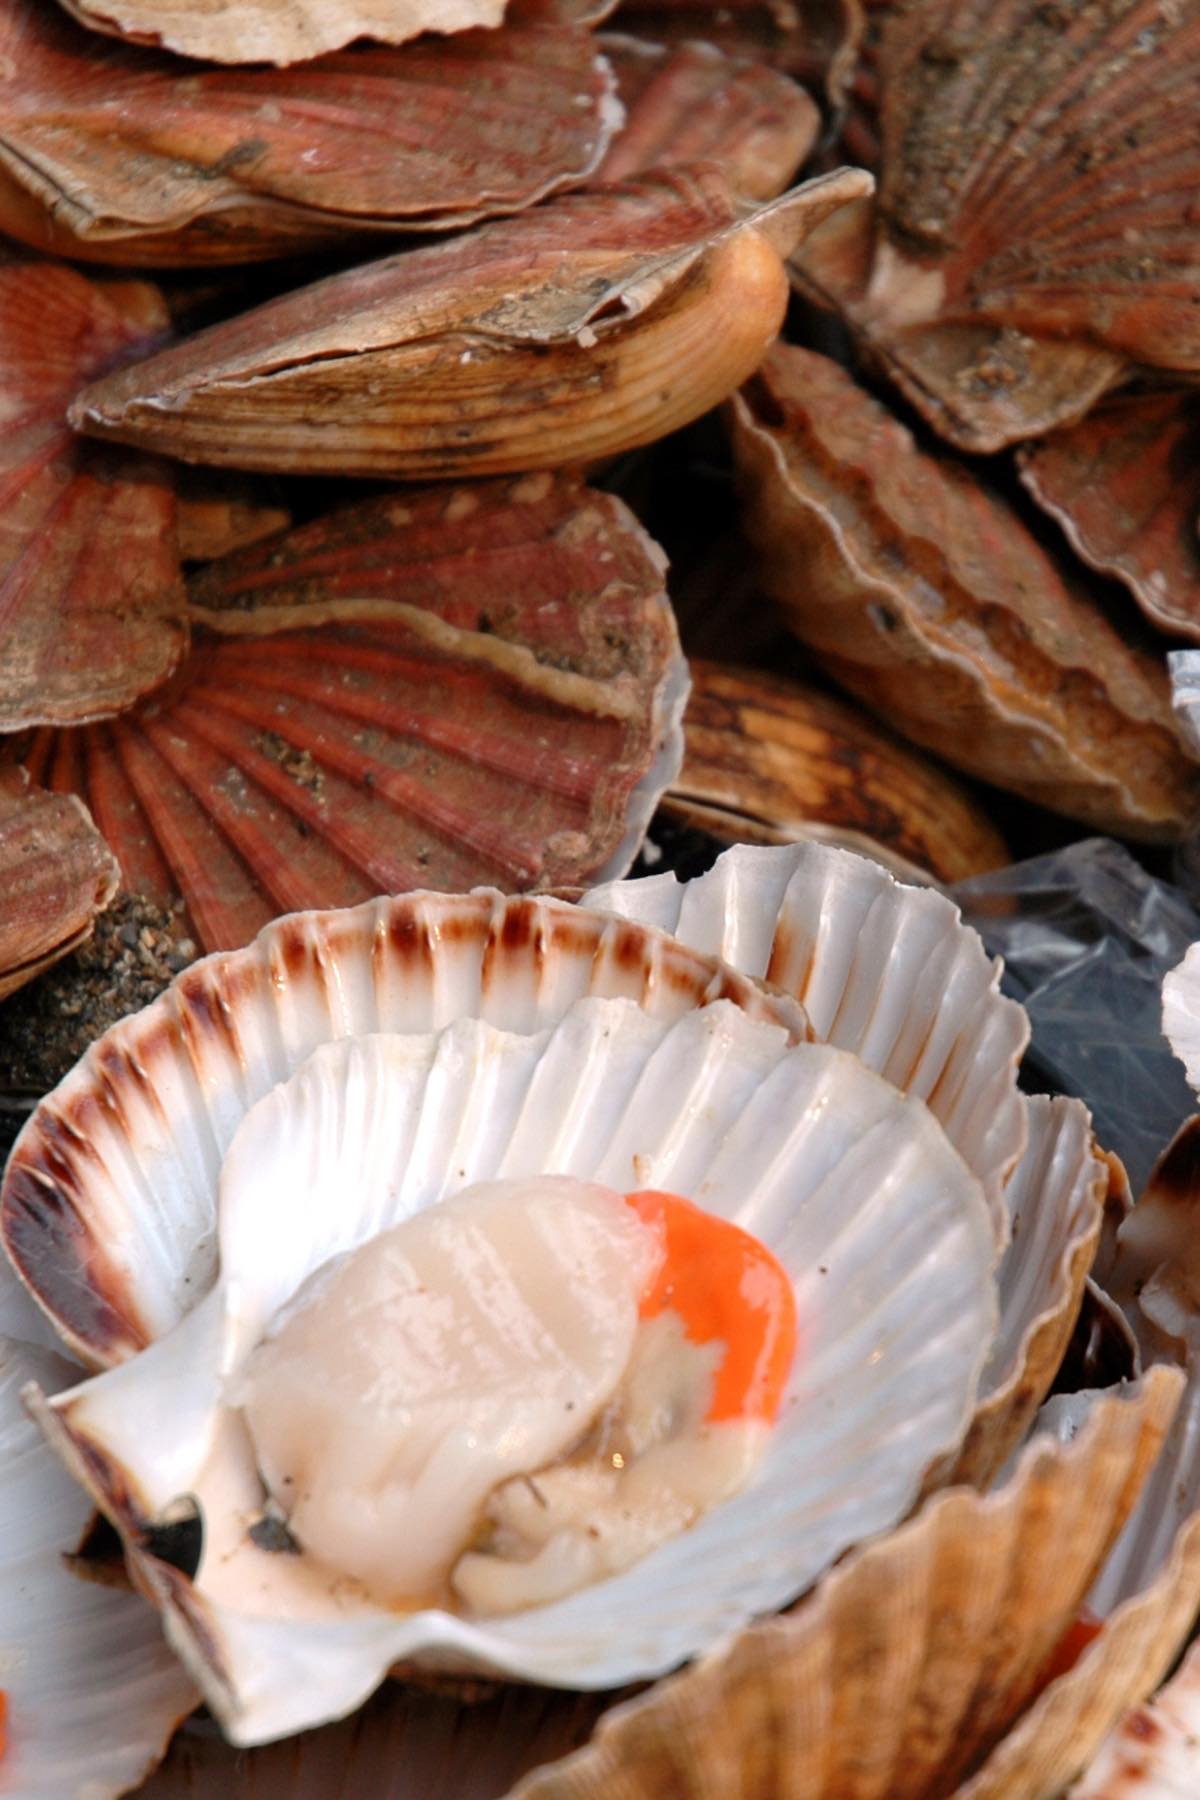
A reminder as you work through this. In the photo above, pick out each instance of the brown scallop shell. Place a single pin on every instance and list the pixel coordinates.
(1154, 1752)
(813, 40)
(910, 1660)
(56, 874)
(91, 599)
(276, 31)
(1036, 231)
(462, 685)
(601, 320)
(925, 595)
(769, 760)
(1124, 484)
(124, 155)
(691, 102)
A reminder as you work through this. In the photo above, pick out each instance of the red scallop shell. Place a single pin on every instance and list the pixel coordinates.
(91, 599)
(125, 155)
(466, 685)
(1124, 484)
(1037, 228)
(690, 102)
(56, 874)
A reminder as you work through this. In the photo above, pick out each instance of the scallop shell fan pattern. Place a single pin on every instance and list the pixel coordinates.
(457, 686)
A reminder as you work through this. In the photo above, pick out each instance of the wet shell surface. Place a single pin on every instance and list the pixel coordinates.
(595, 323)
(91, 597)
(1035, 232)
(56, 874)
(909, 1661)
(849, 1184)
(689, 102)
(127, 156)
(463, 685)
(769, 759)
(1124, 484)
(822, 925)
(278, 31)
(93, 1691)
(971, 642)
(86, 1183)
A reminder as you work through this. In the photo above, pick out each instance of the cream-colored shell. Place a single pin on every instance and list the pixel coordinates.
(108, 1206)
(891, 973)
(910, 1659)
(854, 1187)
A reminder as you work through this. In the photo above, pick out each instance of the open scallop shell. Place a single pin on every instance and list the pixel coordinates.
(278, 31)
(128, 1148)
(690, 102)
(769, 759)
(927, 597)
(1124, 484)
(123, 155)
(884, 1231)
(908, 1662)
(90, 588)
(93, 1690)
(56, 874)
(470, 684)
(1036, 230)
(597, 322)
(888, 972)
(822, 925)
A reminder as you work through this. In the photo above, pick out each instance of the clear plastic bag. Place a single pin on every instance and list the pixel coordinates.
(1087, 936)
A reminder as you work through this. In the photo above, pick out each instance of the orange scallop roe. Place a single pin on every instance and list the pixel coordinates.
(726, 1287)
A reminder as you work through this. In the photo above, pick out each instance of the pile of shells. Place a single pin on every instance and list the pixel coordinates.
(455, 447)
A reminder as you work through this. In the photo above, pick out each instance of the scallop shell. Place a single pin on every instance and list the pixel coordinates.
(507, 708)
(769, 759)
(56, 874)
(913, 1657)
(93, 1691)
(1181, 1013)
(167, 1088)
(1154, 1753)
(1124, 484)
(277, 31)
(970, 642)
(883, 1230)
(583, 327)
(822, 924)
(888, 972)
(813, 40)
(690, 102)
(1036, 229)
(90, 591)
(122, 155)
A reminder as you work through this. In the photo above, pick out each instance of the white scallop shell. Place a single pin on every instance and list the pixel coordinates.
(1181, 1013)
(109, 1198)
(887, 971)
(853, 1186)
(93, 1690)
(891, 973)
